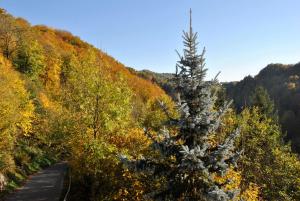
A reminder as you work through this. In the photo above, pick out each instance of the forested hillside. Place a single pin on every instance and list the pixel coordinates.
(61, 98)
(281, 82)
(283, 85)
(164, 80)
(123, 138)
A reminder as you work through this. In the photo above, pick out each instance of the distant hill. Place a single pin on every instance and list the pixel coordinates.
(164, 80)
(283, 85)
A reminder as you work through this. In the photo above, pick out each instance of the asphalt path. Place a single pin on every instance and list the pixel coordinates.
(46, 185)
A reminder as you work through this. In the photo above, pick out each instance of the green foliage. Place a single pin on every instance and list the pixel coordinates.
(69, 62)
(87, 95)
(261, 99)
(267, 162)
(100, 126)
(155, 116)
(30, 59)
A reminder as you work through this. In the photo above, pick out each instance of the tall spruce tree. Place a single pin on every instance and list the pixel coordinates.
(187, 160)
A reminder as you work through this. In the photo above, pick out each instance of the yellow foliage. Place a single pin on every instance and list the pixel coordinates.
(251, 193)
(135, 192)
(27, 118)
(232, 180)
(291, 85)
(47, 103)
(154, 116)
(16, 111)
(134, 142)
(88, 105)
(53, 74)
(15, 105)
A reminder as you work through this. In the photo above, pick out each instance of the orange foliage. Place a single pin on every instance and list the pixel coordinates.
(63, 42)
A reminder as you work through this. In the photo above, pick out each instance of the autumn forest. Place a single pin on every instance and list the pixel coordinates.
(133, 135)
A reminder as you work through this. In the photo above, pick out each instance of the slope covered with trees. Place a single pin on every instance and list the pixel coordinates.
(268, 163)
(282, 84)
(164, 80)
(63, 99)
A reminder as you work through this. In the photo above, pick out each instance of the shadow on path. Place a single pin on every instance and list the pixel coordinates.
(46, 185)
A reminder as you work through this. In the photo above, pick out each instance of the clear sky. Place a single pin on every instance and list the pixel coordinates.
(241, 36)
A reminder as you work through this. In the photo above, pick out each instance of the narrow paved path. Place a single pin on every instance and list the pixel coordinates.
(46, 185)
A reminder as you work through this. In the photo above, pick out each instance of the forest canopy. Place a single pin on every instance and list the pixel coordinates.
(125, 139)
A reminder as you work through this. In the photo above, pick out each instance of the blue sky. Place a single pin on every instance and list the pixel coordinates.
(241, 36)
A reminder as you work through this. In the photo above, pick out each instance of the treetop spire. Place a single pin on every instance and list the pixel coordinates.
(191, 29)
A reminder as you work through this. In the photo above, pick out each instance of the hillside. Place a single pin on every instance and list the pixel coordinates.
(164, 80)
(64, 99)
(283, 85)
(281, 81)
(123, 138)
